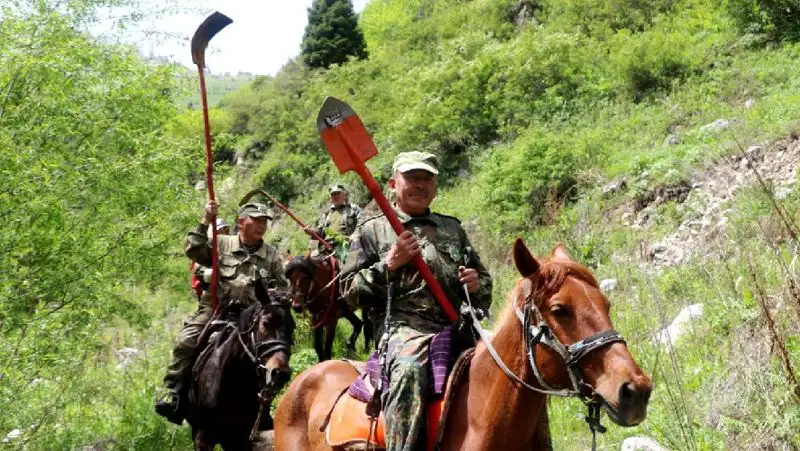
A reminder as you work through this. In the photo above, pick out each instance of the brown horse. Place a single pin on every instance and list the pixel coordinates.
(569, 347)
(315, 286)
(245, 364)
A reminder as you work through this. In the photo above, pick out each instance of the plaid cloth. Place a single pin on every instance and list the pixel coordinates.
(441, 358)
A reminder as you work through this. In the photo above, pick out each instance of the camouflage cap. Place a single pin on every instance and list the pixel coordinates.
(255, 210)
(337, 188)
(409, 161)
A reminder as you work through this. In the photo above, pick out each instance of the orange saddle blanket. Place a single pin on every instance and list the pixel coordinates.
(351, 428)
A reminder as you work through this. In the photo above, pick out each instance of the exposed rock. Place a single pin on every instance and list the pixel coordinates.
(782, 192)
(671, 140)
(659, 195)
(754, 153)
(126, 356)
(705, 199)
(12, 435)
(200, 185)
(227, 186)
(524, 11)
(608, 285)
(614, 187)
(101, 445)
(641, 444)
(718, 125)
(680, 325)
(749, 103)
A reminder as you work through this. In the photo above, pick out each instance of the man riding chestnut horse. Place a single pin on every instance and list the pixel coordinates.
(554, 337)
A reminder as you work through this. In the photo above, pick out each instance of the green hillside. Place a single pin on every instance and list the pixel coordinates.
(658, 139)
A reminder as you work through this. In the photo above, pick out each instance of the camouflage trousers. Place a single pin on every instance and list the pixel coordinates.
(184, 353)
(404, 403)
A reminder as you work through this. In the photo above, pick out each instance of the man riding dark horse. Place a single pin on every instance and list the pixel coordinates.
(245, 261)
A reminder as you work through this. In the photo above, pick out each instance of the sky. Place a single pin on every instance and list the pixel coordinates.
(264, 34)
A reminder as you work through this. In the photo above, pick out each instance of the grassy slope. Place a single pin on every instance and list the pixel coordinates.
(719, 388)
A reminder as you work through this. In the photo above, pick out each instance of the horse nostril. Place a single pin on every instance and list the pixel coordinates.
(278, 376)
(626, 394)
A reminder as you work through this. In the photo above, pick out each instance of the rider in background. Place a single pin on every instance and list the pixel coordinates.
(244, 260)
(378, 257)
(337, 221)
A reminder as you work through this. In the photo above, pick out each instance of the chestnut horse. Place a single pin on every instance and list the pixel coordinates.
(244, 366)
(315, 286)
(554, 337)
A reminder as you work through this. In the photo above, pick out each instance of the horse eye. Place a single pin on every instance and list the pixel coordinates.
(559, 310)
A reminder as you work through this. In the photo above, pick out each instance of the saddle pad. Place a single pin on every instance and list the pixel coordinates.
(349, 425)
(441, 362)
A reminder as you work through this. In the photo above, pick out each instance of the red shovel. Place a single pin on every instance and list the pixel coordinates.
(350, 146)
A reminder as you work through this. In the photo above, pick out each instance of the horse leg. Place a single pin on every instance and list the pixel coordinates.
(318, 344)
(357, 325)
(369, 331)
(203, 439)
(330, 333)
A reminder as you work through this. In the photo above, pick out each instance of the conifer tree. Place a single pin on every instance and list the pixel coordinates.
(332, 34)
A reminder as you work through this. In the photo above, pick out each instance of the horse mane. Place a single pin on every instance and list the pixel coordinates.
(298, 263)
(544, 283)
(247, 316)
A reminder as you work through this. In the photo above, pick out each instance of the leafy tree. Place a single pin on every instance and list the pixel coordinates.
(776, 19)
(332, 34)
(94, 201)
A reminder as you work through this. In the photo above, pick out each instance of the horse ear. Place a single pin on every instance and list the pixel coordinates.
(560, 252)
(526, 264)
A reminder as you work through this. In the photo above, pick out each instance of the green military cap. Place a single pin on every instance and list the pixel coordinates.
(409, 161)
(255, 210)
(337, 188)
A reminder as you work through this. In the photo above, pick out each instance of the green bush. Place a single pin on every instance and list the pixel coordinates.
(778, 20)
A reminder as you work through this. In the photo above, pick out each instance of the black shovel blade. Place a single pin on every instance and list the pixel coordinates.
(207, 30)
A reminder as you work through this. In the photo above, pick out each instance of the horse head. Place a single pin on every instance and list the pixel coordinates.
(308, 278)
(269, 326)
(570, 340)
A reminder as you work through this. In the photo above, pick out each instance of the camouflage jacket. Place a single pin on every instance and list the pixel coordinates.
(445, 247)
(342, 219)
(239, 270)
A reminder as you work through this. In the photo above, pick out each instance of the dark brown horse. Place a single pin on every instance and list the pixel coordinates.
(245, 364)
(315, 286)
(555, 334)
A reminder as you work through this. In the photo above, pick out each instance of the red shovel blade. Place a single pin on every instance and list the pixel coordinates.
(336, 122)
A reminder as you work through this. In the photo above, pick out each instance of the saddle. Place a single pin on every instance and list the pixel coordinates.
(351, 428)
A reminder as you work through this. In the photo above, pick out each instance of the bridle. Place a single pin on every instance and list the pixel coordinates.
(258, 352)
(309, 298)
(541, 333)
